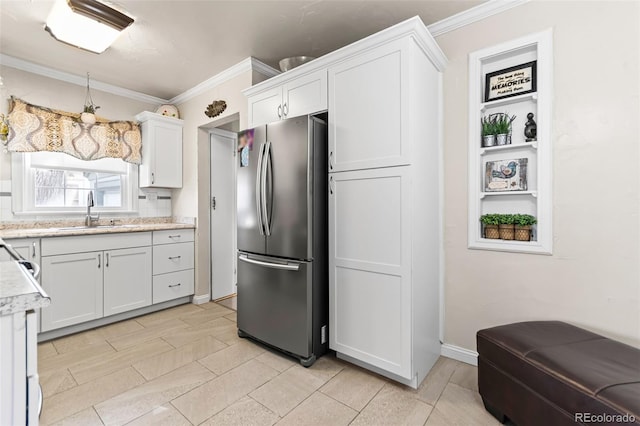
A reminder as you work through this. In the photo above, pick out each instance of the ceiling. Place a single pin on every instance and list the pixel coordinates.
(174, 45)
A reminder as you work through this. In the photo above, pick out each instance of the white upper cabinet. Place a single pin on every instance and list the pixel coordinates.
(306, 94)
(368, 109)
(161, 151)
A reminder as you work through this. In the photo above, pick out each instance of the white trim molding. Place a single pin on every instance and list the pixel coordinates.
(459, 354)
(199, 300)
(10, 61)
(475, 14)
(249, 64)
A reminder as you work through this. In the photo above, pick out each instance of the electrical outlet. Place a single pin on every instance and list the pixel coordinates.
(152, 196)
(323, 334)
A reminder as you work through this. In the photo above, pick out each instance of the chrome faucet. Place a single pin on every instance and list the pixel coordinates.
(91, 220)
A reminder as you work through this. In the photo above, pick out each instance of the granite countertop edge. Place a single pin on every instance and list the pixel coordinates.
(19, 291)
(116, 229)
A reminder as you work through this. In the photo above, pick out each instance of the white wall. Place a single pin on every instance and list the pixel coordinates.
(51, 93)
(593, 277)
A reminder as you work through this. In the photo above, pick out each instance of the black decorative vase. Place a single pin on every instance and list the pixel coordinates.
(530, 128)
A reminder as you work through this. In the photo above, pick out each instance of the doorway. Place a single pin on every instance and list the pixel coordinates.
(223, 213)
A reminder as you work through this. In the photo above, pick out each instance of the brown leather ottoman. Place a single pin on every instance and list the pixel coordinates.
(552, 373)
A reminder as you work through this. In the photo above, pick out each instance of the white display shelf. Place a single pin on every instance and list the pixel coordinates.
(490, 149)
(538, 202)
(509, 101)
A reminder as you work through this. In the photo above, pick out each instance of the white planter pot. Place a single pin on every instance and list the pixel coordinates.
(88, 118)
(501, 139)
(489, 140)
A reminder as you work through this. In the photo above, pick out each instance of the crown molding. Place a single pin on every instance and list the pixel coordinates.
(248, 64)
(10, 61)
(469, 16)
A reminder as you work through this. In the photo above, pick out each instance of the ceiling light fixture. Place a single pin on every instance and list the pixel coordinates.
(87, 24)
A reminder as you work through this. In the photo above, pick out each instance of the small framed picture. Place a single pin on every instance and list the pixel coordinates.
(511, 81)
(506, 175)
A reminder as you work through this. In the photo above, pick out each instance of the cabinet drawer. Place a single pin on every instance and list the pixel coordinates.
(86, 243)
(172, 257)
(173, 236)
(172, 285)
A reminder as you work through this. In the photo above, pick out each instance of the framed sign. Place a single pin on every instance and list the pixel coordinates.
(506, 175)
(510, 82)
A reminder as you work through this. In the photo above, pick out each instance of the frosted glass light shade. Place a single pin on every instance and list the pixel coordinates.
(85, 24)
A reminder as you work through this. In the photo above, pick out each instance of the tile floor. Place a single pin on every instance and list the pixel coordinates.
(187, 366)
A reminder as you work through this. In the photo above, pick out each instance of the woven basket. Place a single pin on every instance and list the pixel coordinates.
(522, 233)
(491, 232)
(506, 232)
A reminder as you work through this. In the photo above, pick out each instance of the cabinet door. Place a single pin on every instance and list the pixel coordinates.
(127, 279)
(369, 267)
(167, 164)
(265, 107)
(369, 109)
(74, 283)
(305, 95)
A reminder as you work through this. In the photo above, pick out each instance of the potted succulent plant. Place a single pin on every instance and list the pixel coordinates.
(523, 223)
(488, 131)
(506, 226)
(491, 222)
(503, 127)
(88, 114)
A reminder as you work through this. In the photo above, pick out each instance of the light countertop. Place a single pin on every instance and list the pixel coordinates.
(19, 291)
(63, 231)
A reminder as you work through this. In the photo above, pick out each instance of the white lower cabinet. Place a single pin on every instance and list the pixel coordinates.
(74, 283)
(173, 261)
(127, 280)
(172, 285)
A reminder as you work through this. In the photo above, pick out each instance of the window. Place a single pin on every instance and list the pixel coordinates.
(52, 182)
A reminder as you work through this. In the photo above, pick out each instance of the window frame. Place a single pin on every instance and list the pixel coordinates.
(23, 190)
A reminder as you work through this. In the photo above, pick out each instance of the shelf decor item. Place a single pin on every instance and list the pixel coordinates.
(215, 108)
(168, 110)
(512, 81)
(502, 128)
(530, 128)
(506, 175)
(506, 226)
(488, 131)
(490, 223)
(523, 223)
(88, 115)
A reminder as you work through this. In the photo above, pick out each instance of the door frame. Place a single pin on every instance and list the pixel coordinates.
(234, 136)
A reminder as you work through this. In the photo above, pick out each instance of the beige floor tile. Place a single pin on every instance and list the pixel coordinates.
(231, 303)
(460, 406)
(206, 315)
(317, 410)
(432, 386)
(466, 376)
(245, 412)
(146, 334)
(289, 389)
(78, 341)
(230, 337)
(394, 406)
(165, 415)
(217, 394)
(70, 402)
(232, 317)
(97, 367)
(46, 350)
(277, 361)
(54, 381)
(210, 305)
(168, 361)
(182, 336)
(231, 357)
(140, 400)
(70, 359)
(87, 417)
(168, 314)
(353, 387)
(326, 367)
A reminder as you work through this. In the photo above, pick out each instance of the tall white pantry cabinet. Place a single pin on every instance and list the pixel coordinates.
(384, 106)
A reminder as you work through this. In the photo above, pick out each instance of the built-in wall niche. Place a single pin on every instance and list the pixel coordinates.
(511, 175)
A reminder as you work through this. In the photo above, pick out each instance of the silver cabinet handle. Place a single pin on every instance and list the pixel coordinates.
(286, 266)
(331, 160)
(175, 285)
(174, 236)
(106, 260)
(285, 110)
(99, 260)
(279, 111)
(331, 185)
(174, 257)
(153, 178)
(33, 253)
(258, 190)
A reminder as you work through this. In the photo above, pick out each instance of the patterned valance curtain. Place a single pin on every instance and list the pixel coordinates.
(33, 128)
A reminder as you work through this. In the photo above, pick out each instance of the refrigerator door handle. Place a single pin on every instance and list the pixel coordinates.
(258, 190)
(288, 266)
(266, 167)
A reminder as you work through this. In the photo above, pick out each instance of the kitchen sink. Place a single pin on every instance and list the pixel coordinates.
(83, 227)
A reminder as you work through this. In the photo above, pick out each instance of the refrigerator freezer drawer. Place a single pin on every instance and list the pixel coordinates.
(274, 302)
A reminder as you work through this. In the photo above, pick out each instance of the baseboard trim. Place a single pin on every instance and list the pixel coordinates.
(459, 354)
(199, 300)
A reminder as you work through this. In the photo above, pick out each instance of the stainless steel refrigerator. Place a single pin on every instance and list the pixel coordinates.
(282, 237)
